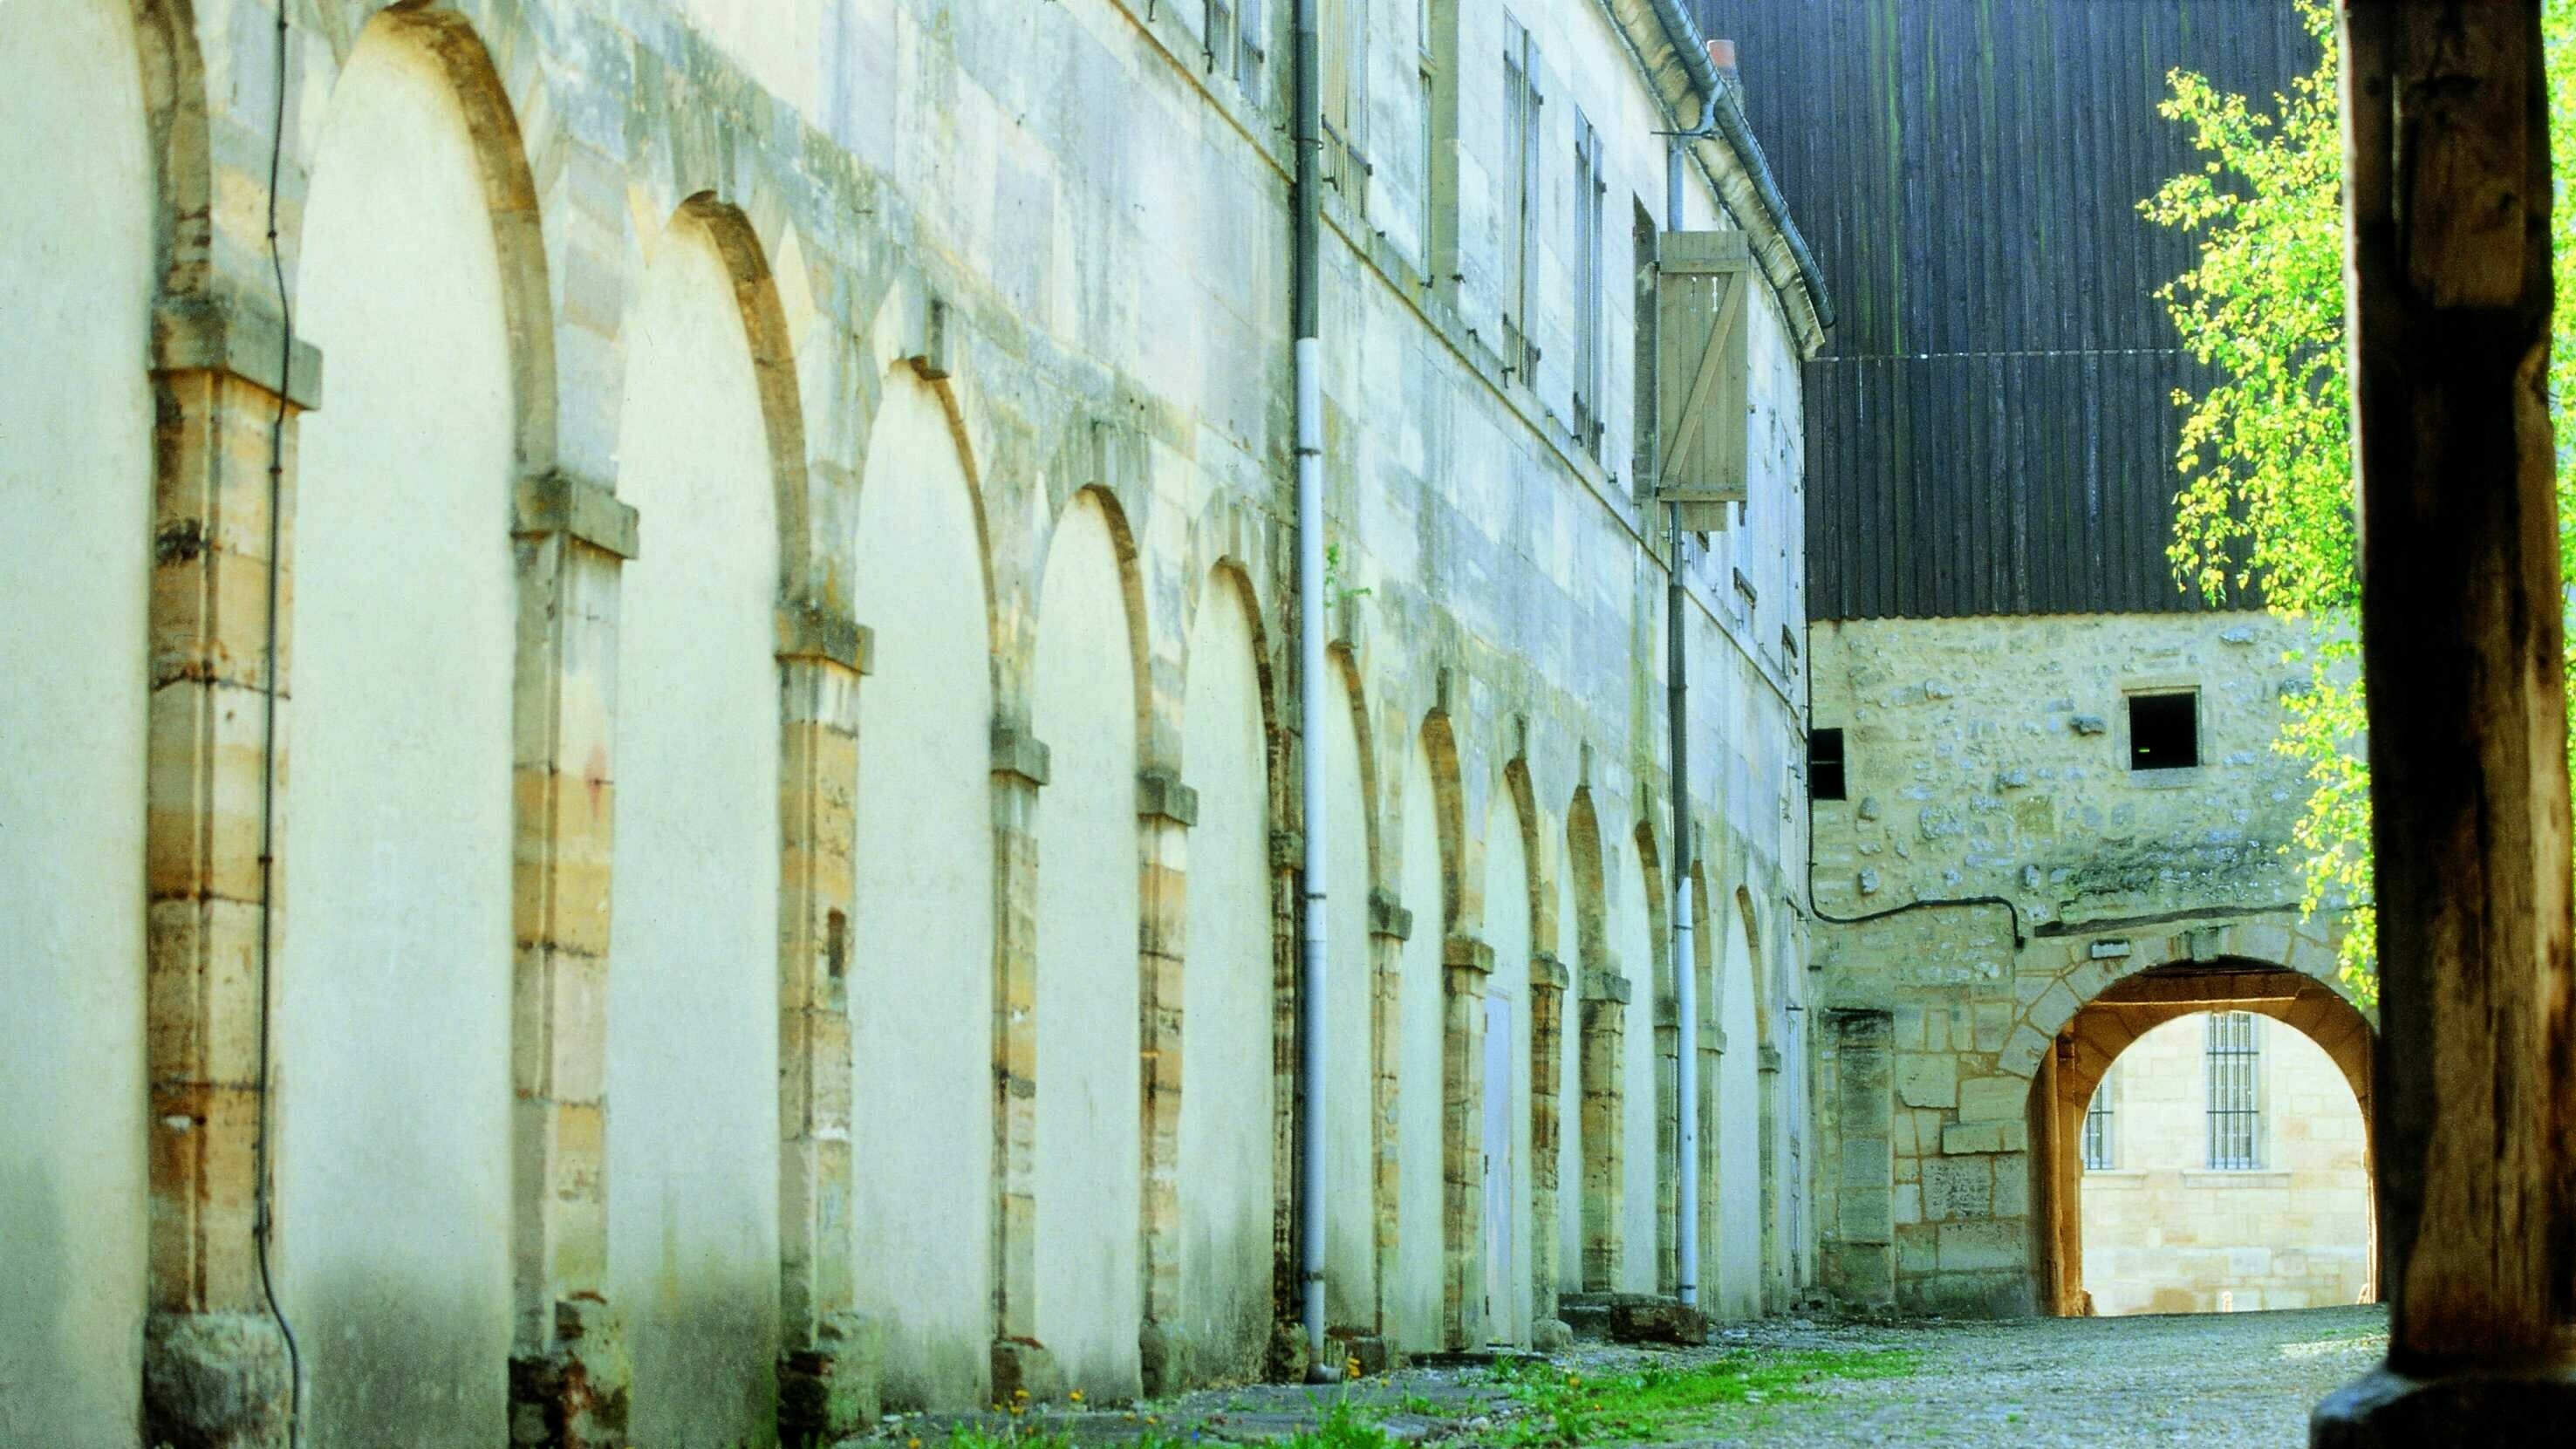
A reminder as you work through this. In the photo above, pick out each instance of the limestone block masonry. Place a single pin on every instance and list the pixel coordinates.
(1996, 866)
(710, 386)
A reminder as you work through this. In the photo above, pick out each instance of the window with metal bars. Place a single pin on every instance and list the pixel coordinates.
(2235, 1058)
(2100, 1150)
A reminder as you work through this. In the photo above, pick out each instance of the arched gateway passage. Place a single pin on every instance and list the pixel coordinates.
(2091, 1040)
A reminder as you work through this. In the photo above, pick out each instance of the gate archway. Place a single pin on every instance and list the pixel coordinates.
(2090, 1040)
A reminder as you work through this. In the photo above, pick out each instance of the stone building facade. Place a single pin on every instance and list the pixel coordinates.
(671, 816)
(2009, 893)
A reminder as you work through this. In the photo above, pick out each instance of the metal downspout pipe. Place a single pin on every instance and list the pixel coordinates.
(1685, 978)
(1306, 316)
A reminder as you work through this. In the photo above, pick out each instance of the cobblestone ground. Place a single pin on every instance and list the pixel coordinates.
(2242, 1379)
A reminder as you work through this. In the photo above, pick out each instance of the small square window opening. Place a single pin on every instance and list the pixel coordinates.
(1825, 764)
(2164, 731)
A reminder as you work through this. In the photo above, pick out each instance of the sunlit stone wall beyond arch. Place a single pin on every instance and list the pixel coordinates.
(693, 996)
(1089, 1299)
(1226, 1170)
(921, 970)
(75, 477)
(393, 1027)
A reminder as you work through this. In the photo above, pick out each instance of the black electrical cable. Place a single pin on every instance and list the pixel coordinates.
(2021, 938)
(268, 747)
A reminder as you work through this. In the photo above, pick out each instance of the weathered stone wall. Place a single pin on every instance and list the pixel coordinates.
(1988, 780)
(995, 267)
(2163, 1233)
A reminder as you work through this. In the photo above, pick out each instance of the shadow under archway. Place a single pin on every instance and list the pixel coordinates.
(2127, 1010)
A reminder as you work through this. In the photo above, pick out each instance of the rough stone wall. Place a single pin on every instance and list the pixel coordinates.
(2165, 1234)
(1987, 758)
(1058, 234)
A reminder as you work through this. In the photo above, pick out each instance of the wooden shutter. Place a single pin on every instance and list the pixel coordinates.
(1702, 409)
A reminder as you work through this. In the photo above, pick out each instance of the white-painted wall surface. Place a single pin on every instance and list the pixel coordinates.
(393, 1025)
(1088, 1297)
(1507, 928)
(1350, 1229)
(692, 992)
(1642, 1137)
(1414, 1296)
(1735, 1276)
(76, 484)
(921, 959)
(1226, 1168)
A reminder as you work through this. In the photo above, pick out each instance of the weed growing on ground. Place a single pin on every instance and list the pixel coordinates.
(1563, 1410)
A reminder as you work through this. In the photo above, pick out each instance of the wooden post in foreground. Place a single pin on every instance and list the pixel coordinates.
(2447, 194)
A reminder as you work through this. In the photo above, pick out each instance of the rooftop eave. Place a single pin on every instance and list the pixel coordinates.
(1677, 69)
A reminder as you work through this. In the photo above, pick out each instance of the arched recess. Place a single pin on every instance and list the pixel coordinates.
(1586, 1154)
(1350, 995)
(1733, 1271)
(1225, 1171)
(921, 960)
(1645, 1133)
(1422, 1049)
(693, 993)
(394, 1020)
(77, 264)
(1088, 1142)
(1503, 1122)
(2085, 1044)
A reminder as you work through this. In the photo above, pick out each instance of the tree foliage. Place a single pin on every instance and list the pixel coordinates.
(2266, 451)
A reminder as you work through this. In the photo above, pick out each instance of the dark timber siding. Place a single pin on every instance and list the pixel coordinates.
(1992, 428)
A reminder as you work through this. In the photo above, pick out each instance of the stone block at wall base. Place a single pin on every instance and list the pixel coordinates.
(1024, 1363)
(1367, 1350)
(214, 1381)
(1551, 1335)
(1657, 1321)
(829, 1389)
(574, 1395)
(1162, 1360)
(2506, 1405)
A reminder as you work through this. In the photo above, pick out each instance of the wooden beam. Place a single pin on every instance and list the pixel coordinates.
(2447, 195)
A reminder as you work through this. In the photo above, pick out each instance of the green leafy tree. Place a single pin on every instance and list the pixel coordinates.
(2266, 451)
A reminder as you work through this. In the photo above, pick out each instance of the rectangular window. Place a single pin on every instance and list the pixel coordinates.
(2235, 1091)
(1825, 764)
(2164, 730)
(2099, 1149)
(1588, 192)
(1519, 177)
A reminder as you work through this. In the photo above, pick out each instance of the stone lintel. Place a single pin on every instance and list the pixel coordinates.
(1604, 983)
(1768, 1059)
(1547, 973)
(1160, 795)
(243, 337)
(1017, 754)
(582, 509)
(811, 631)
(1467, 953)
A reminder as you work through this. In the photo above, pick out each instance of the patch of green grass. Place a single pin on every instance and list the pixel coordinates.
(1345, 1425)
(1562, 1410)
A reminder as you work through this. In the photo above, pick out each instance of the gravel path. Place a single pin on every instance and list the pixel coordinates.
(2243, 1379)
(2205, 1379)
